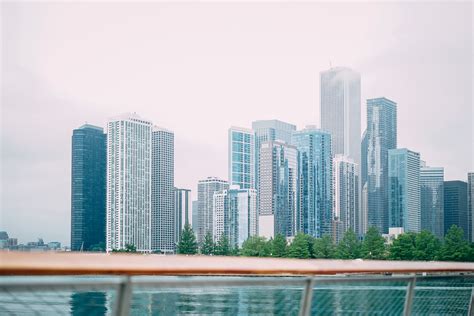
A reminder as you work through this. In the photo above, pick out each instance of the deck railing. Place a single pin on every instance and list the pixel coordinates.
(294, 286)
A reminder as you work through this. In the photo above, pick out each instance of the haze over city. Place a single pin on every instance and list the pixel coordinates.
(198, 69)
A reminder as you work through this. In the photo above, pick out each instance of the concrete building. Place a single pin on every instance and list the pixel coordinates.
(432, 199)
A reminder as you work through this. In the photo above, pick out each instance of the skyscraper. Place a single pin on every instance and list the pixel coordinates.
(129, 174)
(206, 190)
(314, 202)
(277, 189)
(346, 194)
(455, 206)
(88, 180)
(241, 157)
(381, 136)
(363, 160)
(235, 214)
(404, 180)
(340, 110)
(163, 233)
(195, 218)
(432, 200)
(182, 210)
(470, 204)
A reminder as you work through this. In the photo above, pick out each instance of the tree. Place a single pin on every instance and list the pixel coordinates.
(187, 244)
(98, 247)
(323, 247)
(128, 248)
(427, 246)
(223, 247)
(208, 246)
(373, 246)
(299, 248)
(349, 246)
(403, 248)
(455, 247)
(256, 246)
(279, 246)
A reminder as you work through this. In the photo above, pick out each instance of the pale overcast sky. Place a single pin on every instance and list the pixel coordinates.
(197, 69)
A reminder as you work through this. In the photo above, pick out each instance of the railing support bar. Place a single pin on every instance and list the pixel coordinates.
(471, 303)
(124, 297)
(409, 297)
(307, 298)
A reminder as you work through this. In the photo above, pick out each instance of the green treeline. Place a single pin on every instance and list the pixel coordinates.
(409, 246)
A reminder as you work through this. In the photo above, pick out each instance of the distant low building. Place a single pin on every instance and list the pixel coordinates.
(393, 233)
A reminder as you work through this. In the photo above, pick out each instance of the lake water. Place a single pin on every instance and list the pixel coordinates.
(433, 296)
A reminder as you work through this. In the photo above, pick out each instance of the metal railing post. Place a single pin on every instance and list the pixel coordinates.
(409, 297)
(124, 297)
(470, 311)
(307, 298)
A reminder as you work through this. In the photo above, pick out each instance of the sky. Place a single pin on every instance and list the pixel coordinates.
(199, 68)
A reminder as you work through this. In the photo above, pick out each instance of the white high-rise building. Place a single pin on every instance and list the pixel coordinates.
(162, 201)
(346, 194)
(129, 160)
(206, 190)
(277, 189)
(340, 110)
(235, 215)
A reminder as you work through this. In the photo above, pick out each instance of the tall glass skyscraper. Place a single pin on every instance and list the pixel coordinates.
(88, 187)
(340, 110)
(277, 189)
(432, 199)
(241, 157)
(235, 214)
(206, 189)
(346, 195)
(182, 210)
(404, 181)
(455, 206)
(129, 189)
(381, 136)
(163, 233)
(470, 204)
(315, 196)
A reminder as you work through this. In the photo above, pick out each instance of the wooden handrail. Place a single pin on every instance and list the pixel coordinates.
(26, 263)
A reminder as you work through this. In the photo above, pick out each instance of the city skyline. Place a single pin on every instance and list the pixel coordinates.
(47, 95)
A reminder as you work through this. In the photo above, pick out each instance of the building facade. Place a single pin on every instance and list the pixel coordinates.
(182, 210)
(241, 155)
(381, 134)
(346, 195)
(163, 232)
(129, 157)
(314, 193)
(455, 206)
(206, 189)
(235, 215)
(470, 204)
(88, 187)
(277, 189)
(404, 181)
(432, 199)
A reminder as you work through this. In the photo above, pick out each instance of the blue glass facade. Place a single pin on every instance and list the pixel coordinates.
(88, 187)
(241, 158)
(432, 200)
(314, 194)
(455, 206)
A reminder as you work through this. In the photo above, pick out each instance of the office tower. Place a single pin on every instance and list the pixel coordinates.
(404, 181)
(235, 214)
(269, 130)
(277, 189)
(182, 210)
(88, 187)
(206, 190)
(195, 219)
(129, 175)
(363, 214)
(346, 195)
(314, 202)
(470, 204)
(363, 160)
(340, 110)
(241, 157)
(381, 136)
(432, 200)
(163, 231)
(455, 206)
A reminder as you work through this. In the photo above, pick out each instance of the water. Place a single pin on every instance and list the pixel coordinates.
(434, 296)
